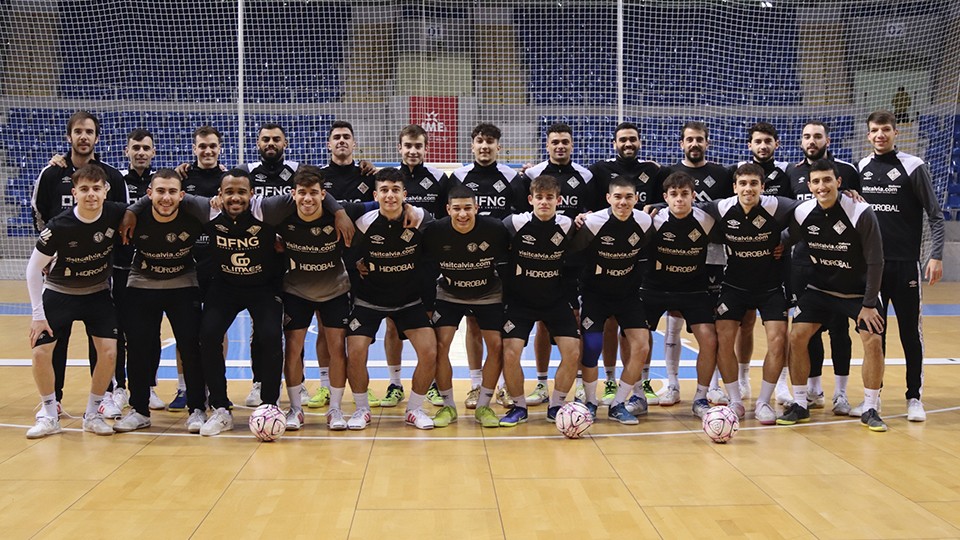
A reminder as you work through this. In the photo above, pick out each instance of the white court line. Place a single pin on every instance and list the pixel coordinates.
(506, 438)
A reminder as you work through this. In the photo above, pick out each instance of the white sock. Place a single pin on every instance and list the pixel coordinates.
(814, 386)
(557, 398)
(611, 372)
(362, 401)
(800, 395)
(395, 375)
(519, 401)
(500, 382)
(733, 391)
(715, 380)
(416, 401)
(93, 404)
(447, 396)
(701, 392)
(645, 374)
(579, 378)
(486, 396)
(476, 376)
(671, 349)
(325, 377)
(590, 392)
(181, 383)
(766, 391)
(841, 384)
(783, 376)
(293, 393)
(623, 392)
(744, 373)
(871, 399)
(49, 405)
(336, 397)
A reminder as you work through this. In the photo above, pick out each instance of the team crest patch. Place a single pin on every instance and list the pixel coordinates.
(508, 326)
(709, 181)
(286, 174)
(98, 237)
(472, 247)
(407, 235)
(221, 228)
(587, 323)
(354, 324)
(184, 236)
(171, 237)
(722, 308)
(644, 178)
(426, 183)
(254, 230)
(484, 246)
(315, 231)
(363, 188)
(893, 174)
(694, 235)
(573, 182)
(67, 272)
(634, 238)
(328, 229)
(759, 221)
(436, 317)
(109, 232)
(839, 227)
(499, 186)
(556, 239)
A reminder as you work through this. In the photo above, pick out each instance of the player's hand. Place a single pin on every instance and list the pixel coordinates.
(182, 169)
(934, 272)
(367, 168)
(344, 226)
(581, 219)
(525, 166)
(58, 160)
(216, 203)
(362, 268)
(127, 225)
(853, 194)
(278, 244)
(871, 318)
(37, 328)
(778, 251)
(412, 216)
(223, 168)
(650, 209)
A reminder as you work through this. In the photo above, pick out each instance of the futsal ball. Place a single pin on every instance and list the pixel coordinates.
(720, 424)
(267, 423)
(573, 419)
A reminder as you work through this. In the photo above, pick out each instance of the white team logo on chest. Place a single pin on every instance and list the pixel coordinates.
(98, 237)
(893, 174)
(315, 231)
(407, 235)
(472, 247)
(839, 227)
(813, 230)
(426, 183)
(634, 238)
(171, 237)
(499, 186)
(709, 181)
(286, 174)
(557, 238)
(484, 246)
(573, 182)
(694, 235)
(644, 178)
(759, 222)
(733, 224)
(606, 240)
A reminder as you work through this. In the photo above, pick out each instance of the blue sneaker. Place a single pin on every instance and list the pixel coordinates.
(179, 402)
(637, 405)
(592, 407)
(700, 406)
(619, 413)
(517, 415)
(552, 413)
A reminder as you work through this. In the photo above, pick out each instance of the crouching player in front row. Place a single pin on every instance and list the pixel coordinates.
(847, 255)
(76, 289)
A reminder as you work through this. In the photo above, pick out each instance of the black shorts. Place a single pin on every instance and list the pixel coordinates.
(735, 303)
(695, 307)
(628, 310)
(489, 316)
(518, 321)
(714, 279)
(819, 307)
(96, 310)
(298, 312)
(364, 321)
(799, 277)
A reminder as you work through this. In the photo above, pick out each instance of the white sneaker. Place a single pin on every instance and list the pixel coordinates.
(915, 412)
(670, 396)
(294, 419)
(841, 406)
(858, 410)
(253, 398)
(815, 401)
(96, 424)
(46, 425)
(744, 388)
(220, 420)
(304, 394)
(784, 397)
(335, 421)
(360, 419)
(196, 420)
(765, 414)
(419, 419)
(717, 396)
(131, 422)
(538, 396)
(121, 398)
(108, 407)
(738, 409)
(40, 411)
(156, 404)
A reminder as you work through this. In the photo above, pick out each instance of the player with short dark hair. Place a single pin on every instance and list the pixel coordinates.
(80, 245)
(898, 187)
(846, 251)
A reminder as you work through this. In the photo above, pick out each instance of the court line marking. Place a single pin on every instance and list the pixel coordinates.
(496, 437)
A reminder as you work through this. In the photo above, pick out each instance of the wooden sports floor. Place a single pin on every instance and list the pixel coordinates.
(662, 479)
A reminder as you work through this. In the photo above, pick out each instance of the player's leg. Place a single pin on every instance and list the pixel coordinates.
(363, 326)
(266, 313)
(728, 336)
(611, 344)
(118, 289)
(636, 346)
(671, 353)
(563, 327)
(183, 310)
(47, 420)
(474, 345)
(744, 350)
(393, 347)
(60, 352)
(872, 372)
(773, 363)
(297, 315)
(706, 336)
(143, 311)
(542, 349)
(322, 396)
(332, 316)
(221, 306)
(424, 342)
(801, 332)
(907, 300)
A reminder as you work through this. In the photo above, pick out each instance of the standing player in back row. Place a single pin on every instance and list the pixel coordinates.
(898, 187)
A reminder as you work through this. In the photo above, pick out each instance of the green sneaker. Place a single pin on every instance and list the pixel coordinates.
(486, 417)
(445, 416)
(652, 397)
(320, 399)
(609, 392)
(433, 395)
(372, 399)
(393, 397)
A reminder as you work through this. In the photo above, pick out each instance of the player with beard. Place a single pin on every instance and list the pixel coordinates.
(273, 174)
(815, 143)
(52, 194)
(643, 173)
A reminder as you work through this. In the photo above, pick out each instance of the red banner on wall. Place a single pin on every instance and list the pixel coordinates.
(438, 117)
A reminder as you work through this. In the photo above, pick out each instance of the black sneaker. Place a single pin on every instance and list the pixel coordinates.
(871, 420)
(794, 414)
(552, 413)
